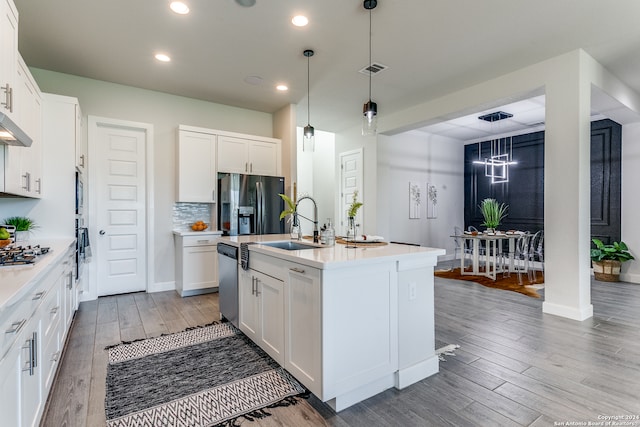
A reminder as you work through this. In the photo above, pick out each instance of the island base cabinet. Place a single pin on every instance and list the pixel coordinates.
(261, 303)
(303, 326)
(359, 333)
(9, 386)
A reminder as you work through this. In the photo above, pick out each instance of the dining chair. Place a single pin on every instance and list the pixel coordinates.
(521, 256)
(461, 245)
(536, 253)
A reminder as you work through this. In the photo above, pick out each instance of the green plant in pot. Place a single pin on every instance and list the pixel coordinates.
(493, 213)
(607, 260)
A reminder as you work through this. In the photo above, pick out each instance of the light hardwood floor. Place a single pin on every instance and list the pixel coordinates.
(516, 366)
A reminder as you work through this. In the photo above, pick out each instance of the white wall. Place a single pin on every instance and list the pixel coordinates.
(420, 157)
(315, 172)
(165, 112)
(630, 199)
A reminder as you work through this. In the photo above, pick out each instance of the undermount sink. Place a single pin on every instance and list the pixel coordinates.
(289, 245)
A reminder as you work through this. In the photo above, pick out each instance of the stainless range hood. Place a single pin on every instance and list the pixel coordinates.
(11, 134)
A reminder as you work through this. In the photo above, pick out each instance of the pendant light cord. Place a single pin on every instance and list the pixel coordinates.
(308, 91)
(370, 55)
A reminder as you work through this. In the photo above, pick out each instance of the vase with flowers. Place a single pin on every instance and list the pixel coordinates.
(351, 217)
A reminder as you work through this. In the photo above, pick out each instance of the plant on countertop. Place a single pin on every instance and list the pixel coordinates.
(493, 212)
(21, 223)
(291, 206)
(617, 251)
(355, 205)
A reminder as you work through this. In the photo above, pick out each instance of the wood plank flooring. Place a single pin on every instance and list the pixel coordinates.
(516, 366)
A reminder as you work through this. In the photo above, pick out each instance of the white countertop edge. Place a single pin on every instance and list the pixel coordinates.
(17, 281)
(197, 233)
(337, 256)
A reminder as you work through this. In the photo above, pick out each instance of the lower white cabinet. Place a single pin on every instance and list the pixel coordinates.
(261, 303)
(303, 327)
(33, 331)
(196, 264)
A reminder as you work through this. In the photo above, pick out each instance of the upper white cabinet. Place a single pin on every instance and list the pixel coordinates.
(250, 156)
(196, 167)
(8, 55)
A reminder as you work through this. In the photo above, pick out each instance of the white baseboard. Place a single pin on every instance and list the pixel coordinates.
(574, 313)
(162, 287)
(630, 277)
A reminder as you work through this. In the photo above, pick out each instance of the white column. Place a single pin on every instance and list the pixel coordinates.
(567, 175)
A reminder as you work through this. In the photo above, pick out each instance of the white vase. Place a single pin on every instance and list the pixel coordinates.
(22, 237)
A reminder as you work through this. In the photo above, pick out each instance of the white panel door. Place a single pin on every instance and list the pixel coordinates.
(121, 216)
(351, 177)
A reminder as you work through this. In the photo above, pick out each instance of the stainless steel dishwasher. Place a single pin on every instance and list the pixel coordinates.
(228, 282)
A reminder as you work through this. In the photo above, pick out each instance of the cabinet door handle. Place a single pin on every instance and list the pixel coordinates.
(55, 356)
(29, 364)
(54, 310)
(82, 161)
(251, 167)
(34, 350)
(38, 296)
(253, 285)
(15, 327)
(257, 287)
(297, 270)
(246, 166)
(203, 241)
(27, 181)
(39, 186)
(7, 97)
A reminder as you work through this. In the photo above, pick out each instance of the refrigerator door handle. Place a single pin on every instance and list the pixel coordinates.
(258, 208)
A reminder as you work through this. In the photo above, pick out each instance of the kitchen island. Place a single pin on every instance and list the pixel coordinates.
(348, 323)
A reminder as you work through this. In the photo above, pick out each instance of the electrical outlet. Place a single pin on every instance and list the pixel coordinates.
(412, 291)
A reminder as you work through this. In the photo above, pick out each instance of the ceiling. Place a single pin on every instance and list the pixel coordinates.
(431, 48)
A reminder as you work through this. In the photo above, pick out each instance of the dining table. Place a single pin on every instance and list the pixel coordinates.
(492, 256)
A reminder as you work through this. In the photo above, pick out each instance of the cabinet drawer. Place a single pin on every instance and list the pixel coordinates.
(50, 358)
(12, 325)
(200, 240)
(51, 313)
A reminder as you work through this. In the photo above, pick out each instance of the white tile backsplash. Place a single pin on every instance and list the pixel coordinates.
(185, 214)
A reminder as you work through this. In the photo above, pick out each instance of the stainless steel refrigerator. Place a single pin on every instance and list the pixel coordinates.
(249, 204)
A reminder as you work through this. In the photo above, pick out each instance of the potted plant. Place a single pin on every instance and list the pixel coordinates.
(493, 213)
(607, 259)
(23, 226)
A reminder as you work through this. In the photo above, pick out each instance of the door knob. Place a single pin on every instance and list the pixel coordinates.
(102, 232)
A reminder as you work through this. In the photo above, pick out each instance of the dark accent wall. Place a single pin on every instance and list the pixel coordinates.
(524, 193)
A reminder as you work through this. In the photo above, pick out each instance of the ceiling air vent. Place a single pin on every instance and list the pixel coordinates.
(494, 117)
(374, 69)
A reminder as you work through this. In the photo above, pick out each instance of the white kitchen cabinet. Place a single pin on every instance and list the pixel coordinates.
(196, 264)
(196, 167)
(31, 340)
(303, 326)
(8, 56)
(249, 156)
(23, 165)
(261, 304)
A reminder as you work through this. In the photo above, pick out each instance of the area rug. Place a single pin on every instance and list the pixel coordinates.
(509, 283)
(206, 376)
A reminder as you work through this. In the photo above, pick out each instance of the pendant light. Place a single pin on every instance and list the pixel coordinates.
(370, 108)
(308, 143)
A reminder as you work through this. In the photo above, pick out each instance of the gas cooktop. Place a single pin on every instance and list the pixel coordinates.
(21, 255)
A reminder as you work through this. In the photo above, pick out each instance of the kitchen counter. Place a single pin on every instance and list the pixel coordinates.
(189, 232)
(348, 323)
(16, 280)
(331, 257)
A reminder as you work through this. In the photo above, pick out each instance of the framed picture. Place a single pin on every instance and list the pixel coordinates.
(432, 200)
(414, 200)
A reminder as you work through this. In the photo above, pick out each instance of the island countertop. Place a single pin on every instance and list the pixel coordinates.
(330, 257)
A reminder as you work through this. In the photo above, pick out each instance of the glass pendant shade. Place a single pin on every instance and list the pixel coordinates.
(369, 118)
(309, 140)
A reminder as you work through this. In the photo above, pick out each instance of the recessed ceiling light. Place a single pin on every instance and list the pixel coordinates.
(162, 57)
(282, 88)
(299, 21)
(179, 7)
(246, 3)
